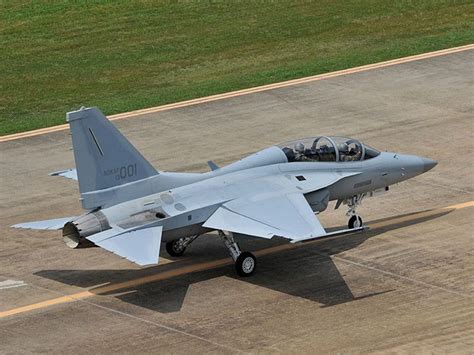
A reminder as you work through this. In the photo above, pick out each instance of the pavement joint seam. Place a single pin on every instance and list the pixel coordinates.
(166, 327)
(394, 275)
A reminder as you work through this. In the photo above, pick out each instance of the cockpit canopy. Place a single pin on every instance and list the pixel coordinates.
(327, 149)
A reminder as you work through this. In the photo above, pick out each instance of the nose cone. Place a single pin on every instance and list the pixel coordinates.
(428, 164)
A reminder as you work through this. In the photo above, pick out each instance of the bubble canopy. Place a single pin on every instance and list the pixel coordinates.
(327, 149)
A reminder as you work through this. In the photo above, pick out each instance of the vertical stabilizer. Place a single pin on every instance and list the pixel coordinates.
(104, 157)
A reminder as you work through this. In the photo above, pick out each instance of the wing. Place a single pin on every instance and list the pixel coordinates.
(285, 215)
(282, 210)
(141, 246)
(46, 224)
(68, 174)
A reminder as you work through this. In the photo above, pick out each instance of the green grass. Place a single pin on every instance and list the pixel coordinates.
(123, 55)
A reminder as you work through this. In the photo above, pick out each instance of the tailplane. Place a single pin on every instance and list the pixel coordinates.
(104, 157)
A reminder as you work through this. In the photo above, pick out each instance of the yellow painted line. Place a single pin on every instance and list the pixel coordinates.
(249, 91)
(102, 290)
(460, 205)
(48, 303)
(161, 276)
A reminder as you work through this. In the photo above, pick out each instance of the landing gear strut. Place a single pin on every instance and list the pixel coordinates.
(355, 221)
(245, 262)
(178, 246)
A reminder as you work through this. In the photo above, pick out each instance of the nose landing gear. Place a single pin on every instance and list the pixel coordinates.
(355, 221)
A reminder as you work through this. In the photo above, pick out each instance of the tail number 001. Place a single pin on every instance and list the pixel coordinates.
(126, 171)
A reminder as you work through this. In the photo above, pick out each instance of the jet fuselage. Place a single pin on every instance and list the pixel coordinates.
(182, 210)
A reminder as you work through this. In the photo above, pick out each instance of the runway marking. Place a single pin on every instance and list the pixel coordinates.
(48, 303)
(253, 90)
(11, 284)
(103, 290)
(460, 205)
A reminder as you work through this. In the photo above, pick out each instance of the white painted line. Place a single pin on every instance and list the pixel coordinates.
(11, 284)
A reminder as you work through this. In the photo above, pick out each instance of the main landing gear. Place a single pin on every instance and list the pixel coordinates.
(177, 247)
(245, 262)
(355, 221)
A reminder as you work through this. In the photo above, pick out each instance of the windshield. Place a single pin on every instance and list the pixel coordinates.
(327, 149)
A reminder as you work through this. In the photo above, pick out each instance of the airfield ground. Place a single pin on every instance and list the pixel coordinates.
(405, 285)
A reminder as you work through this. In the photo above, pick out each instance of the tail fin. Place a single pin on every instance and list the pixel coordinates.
(104, 157)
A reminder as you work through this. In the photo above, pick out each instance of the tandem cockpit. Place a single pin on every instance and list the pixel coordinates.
(327, 149)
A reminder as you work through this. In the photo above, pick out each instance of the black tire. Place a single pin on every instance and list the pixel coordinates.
(245, 264)
(355, 222)
(172, 250)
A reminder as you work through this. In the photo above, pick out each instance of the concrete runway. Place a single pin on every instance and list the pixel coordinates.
(404, 285)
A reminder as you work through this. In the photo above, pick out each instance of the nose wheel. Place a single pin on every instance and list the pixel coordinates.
(245, 262)
(355, 222)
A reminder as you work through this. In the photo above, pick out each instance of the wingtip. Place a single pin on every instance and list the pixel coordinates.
(20, 226)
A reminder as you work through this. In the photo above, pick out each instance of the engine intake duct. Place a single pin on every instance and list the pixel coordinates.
(76, 231)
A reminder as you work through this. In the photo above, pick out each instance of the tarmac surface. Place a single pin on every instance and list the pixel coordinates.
(404, 285)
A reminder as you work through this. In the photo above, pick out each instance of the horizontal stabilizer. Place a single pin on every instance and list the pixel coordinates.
(57, 223)
(68, 174)
(141, 246)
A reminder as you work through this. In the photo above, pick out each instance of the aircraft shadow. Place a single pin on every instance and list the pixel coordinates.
(307, 271)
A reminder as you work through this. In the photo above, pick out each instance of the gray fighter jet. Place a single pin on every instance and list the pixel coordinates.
(132, 208)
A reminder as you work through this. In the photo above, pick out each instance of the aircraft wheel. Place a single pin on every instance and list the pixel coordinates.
(174, 249)
(245, 264)
(355, 222)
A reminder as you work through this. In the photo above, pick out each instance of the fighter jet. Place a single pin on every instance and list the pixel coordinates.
(132, 208)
